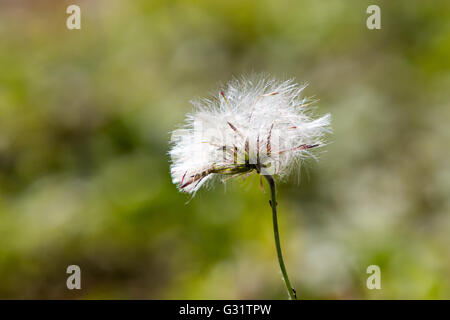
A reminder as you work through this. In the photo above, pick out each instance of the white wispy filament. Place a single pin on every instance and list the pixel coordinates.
(252, 125)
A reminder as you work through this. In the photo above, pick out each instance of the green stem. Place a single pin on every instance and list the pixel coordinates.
(273, 204)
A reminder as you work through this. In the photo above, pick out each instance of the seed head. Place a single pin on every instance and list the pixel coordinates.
(251, 125)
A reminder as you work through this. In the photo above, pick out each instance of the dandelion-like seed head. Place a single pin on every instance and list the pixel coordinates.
(251, 125)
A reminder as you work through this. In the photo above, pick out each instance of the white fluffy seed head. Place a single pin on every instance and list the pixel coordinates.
(253, 124)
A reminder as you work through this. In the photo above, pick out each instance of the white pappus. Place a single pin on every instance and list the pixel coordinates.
(257, 125)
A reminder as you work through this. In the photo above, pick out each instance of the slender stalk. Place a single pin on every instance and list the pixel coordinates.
(273, 204)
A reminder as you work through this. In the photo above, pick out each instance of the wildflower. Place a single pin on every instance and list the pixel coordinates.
(263, 126)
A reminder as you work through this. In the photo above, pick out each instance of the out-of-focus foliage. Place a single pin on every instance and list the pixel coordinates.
(85, 117)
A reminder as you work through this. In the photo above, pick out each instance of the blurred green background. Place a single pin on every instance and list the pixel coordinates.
(85, 117)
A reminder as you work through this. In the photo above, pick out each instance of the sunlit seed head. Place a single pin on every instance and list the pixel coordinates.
(253, 124)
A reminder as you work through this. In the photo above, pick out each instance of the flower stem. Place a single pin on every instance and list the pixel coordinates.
(273, 204)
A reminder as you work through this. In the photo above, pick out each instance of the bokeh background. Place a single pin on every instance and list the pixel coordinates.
(85, 117)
